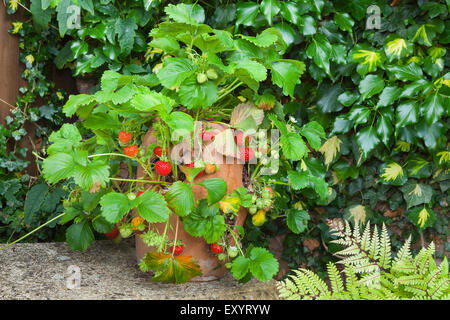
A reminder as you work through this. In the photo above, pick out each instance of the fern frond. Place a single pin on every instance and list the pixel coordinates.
(414, 279)
(404, 253)
(365, 239)
(444, 268)
(319, 284)
(440, 288)
(372, 279)
(374, 244)
(337, 285)
(385, 249)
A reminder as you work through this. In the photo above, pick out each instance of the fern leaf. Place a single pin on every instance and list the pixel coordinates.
(414, 279)
(385, 249)
(335, 278)
(444, 268)
(365, 239)
(404, 252)
(374, 244)
(438, 289)
(319, 284)
(372, 279)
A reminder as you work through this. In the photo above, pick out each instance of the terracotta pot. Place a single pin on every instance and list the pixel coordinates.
(197, 247)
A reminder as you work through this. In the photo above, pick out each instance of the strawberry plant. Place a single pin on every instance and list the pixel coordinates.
(200, 72)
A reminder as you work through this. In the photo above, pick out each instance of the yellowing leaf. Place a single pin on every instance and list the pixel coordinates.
(444, 156)
(392, 171)
(423, 217)
(13, 4)
(330, 148)
(372, 58)
(29, 58)
(403, 146)
(303, 165)
(230, 204)
(396, 47)
(416, 191)
(358, 213)
(17, 26)
(419, 164)
(422, 33)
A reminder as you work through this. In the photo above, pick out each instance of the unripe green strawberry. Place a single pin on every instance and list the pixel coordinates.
(254, 198)
(211, 74)
(131, 196)
(126, 230)
(267, 203)
(265, 194)
(233, 252)
(202, 78)
(260, 203)
(228, 265)
(252, 209)
(221, 256)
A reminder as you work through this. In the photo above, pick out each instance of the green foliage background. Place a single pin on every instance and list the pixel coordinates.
(386, 100)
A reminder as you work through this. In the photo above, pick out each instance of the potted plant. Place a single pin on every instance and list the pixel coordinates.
(129, 157)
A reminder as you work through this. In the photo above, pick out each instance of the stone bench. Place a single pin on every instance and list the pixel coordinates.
(108, 271)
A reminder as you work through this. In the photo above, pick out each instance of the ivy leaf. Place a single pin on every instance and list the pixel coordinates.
(290, 11)
(246, 13)
(240, 267)
(125, 30)
(392, 171)
(344, 21)
(410, 72)
(175, 71)
(422, 217)
(181, 198)
(152, 207)
(432, 108)
(407, 113)
(397, 48)
(327, 97)
(79, 236)
(270, 8)
(307, 25)
(367, 139)
(297, 220)
(388, 96)
(294, 148)
(62, 16)
(348, 98)
(320, 51)
(370, 85)
(171, 269)
(186, 13)
(216, 188)
(263, 265)
(194, 95)
(114, 206)
(416, 193)
(330, 149)
(35, 198)
(286, 74)
(384, 126)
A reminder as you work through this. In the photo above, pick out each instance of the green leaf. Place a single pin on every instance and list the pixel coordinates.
(367, 139)
(181, 198)
(214, 229)
(186, 13)
(76, 101)
(152, 207)
(263, 265)
(194, 95)
(35, 198)
(64, 140)
(58, 167)
(286, 74)
(416, 193)
(265, 39)
(87, 5)
(416, 87)
(95, 172)
(152, 101)
(255, 69)
(41, 17)
(348, 98)
(410, 72)
(432, 108)
(270, 8)
(370, 85)
(216, 188)
(313, 132)
(344, 21)
(293, 146)
(297, 220)
(359, 114)
(384, 126)
(246, 13)
(287, 32)
(320, 51)
(307, 25)
(407, 113)
(175, 71)
(114, 206)
(79, 236)
(180, 121)
(327, 97)
(388, 96)
(298, 180)
(240, 267)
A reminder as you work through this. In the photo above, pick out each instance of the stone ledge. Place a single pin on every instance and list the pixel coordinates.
(108, 271)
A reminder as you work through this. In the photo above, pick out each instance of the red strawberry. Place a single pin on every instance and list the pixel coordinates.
(125, 137)
(207, 136)
(139, 193)
(158, 151)
(177, 250)
(246, 154)
(240, 139)
(113, 234)
(131, 151)
(216, 248)
(163, 168)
